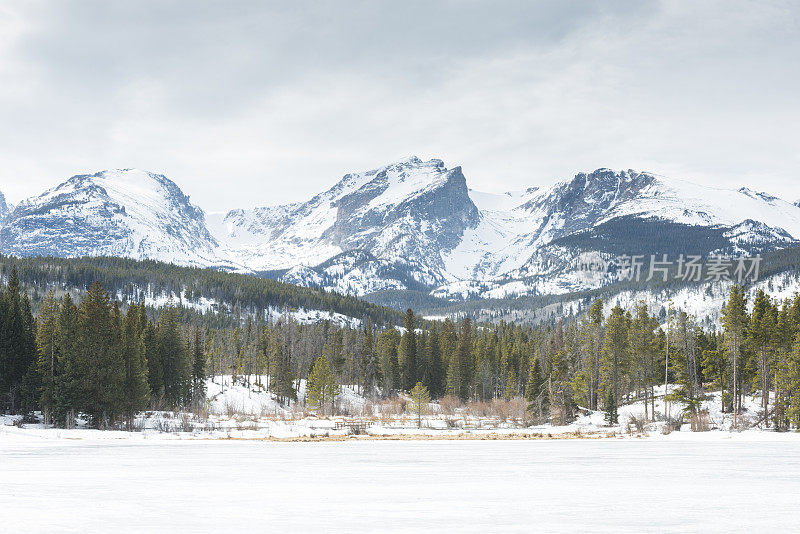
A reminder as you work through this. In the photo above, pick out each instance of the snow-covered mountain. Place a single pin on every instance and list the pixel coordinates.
(415, 225)
(405, 214)
(411, 225)
(127, 213)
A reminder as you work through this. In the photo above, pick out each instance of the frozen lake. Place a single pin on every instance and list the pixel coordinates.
(678, 484)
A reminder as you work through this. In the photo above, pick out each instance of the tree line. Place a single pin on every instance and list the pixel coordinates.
(95, 360)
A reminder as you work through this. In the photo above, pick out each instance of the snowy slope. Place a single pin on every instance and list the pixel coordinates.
(128, 213)
(410, 210)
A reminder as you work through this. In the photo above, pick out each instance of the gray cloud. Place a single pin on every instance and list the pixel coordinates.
(235, 100)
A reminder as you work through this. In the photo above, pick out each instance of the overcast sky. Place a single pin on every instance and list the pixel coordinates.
(256, 103)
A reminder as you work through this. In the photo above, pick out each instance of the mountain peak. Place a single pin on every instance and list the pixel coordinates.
(120, 212)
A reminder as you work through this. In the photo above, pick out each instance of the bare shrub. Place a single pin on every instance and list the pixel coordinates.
(185, 422)
(450, 404)
(513, 410)
(743, 422)
(479, 409)
(231, 409)
(636, 424)
(162, 424)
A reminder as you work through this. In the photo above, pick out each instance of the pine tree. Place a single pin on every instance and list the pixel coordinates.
(536, 390)
(17, 347)
(511, 384)
(321, 387)
(174, 360)
(198, 369)
(370, 371)
(459, 372)
(49, 356)
(433, 356)
(68, 392)
(420, 397)
(643, 344)
(408, 352)
(281, 379)
(155, 370)
(615, 360)
(388, 343)
(762, 335)
(734, 322)
(99, 363)
(136, 390)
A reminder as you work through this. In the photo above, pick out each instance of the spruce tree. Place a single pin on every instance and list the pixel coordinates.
(614, 362)
(420, 397)
(370, 370)
(436, 367)
(136, 390)
(155, 370)
(172, 353)
(49, 356)
(100, 367)
(535, 389)
(198, 369)
(17, 347)
(68, 393)
(388, 343)
(281, 378)
(321, 387)
(734, 322)
(408, 352)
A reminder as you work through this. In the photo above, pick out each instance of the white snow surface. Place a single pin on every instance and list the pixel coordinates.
(678, 483)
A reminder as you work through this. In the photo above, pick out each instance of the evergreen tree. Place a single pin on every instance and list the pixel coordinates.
(536, 389)
(388, 344)
(99, 366)
(136, 390)
(281, 380)
(762, 337)
(17, 347)
(643, 344)
(734, 322)
(172, 353)
(420, 397)
(198, 369)
(459, 372)
(370, 370)
(68, 388)
(322, 388)
(47, 344)
(436, 368)
(408, 352)
(155, 370)
(614, 363)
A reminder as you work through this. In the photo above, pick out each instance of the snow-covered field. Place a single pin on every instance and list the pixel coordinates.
(713, 482)
(226, 473)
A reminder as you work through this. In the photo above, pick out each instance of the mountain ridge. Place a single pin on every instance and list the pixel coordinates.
(409, 225)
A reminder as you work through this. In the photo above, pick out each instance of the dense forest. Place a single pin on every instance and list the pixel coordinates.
(107, 360)
(134, 281)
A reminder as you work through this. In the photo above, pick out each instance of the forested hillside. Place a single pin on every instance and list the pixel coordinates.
(139, 281)
(94, 358)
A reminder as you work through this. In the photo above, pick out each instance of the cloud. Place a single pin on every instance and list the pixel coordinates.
(236, 100)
